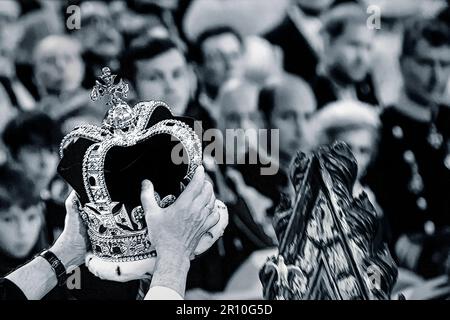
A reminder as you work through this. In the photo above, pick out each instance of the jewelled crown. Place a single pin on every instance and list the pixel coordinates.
(329, 246)
(106, 165)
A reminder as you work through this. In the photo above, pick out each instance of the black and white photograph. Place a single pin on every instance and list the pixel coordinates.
(224, 150)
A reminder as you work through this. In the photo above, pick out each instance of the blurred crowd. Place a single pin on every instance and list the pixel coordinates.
(318, 71)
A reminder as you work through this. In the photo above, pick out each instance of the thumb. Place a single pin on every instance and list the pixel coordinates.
(148, 200)
(72, 204)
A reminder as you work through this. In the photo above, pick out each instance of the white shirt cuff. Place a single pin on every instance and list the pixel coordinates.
(162, 293)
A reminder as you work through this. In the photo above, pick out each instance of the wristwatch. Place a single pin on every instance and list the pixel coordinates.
(57, 266)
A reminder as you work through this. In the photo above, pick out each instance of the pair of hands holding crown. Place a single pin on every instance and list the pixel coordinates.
(183, 230)
(189, 226)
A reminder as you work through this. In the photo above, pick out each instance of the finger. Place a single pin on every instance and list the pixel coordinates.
(211, 202)
(148, 200)
(195, 186)
(434, 294)
(205, 196)
(204, 214)
(72, 203)
(207, 210)
(438, 282)
(217, 229)
(215, 232)
(211, 220)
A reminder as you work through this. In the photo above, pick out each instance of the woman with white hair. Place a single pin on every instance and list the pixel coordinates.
(357, 124)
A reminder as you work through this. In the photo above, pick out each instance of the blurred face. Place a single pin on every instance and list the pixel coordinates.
(19, 230)
(362, 145)
(350, 54)
(239, 111)
(6, 57)
(426, 74)
(165, 77)
(290, 115)
(39, 164)
(222, 59)
(9, 12)
(59, 67)
(99, 35)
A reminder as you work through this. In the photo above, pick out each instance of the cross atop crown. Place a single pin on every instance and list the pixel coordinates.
(115, 92)
(120, 115)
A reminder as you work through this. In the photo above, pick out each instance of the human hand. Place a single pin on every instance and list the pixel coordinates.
(72, 244)
(432, 289)
(175, 231)
(198, 294)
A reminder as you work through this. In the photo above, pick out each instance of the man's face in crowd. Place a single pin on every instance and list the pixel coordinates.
(290, 115)
(165, 77)
(38, 163)
(241, 115)
(6, 57)
(9, 34)
(59, 67)
(19, 230)
(98, 34)
(427, 72)
(239, 110)
(222, 57)
(350, 54)
(362, 144)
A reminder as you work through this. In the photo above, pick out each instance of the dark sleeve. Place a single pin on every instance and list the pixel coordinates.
(443, 121)
(323, 91)
(268, 185)
(9, 291)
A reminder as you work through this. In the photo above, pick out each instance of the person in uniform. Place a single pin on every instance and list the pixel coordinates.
(411, 175)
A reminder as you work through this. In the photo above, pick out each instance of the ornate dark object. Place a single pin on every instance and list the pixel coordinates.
(329, 244)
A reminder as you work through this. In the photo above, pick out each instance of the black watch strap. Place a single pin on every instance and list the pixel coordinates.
(57, 266)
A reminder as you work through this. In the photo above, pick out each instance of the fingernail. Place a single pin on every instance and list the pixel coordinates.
(145, 184)
(76, 203)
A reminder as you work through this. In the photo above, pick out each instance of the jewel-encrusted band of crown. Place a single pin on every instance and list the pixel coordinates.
(115, 234)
